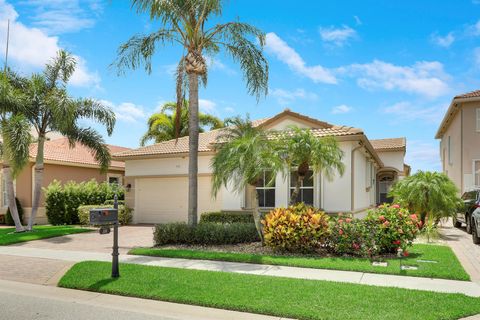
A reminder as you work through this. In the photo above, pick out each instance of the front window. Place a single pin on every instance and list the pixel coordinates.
(114, 180)
(266, 190)
(306, 188)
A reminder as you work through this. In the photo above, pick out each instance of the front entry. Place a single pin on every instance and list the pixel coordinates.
(385, 183)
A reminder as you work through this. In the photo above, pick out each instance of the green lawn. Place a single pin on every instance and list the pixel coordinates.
(447, 266)
(7, 235)
(282, 297)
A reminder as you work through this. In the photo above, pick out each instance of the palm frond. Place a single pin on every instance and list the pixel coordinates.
(60, 68)
(16, 142)
(95, 110)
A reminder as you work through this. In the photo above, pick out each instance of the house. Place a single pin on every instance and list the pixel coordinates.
(157, 182)
(64, 164)
(459, 135)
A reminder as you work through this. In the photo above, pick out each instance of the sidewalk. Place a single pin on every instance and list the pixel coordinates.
(437, 285)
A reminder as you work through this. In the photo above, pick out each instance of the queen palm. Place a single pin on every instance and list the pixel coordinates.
(188, 24)
(162, 127)
(51, 109)
(16, 138)
(244, 153)
(303, 151)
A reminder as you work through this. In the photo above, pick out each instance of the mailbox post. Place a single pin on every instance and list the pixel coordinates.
(115, 271)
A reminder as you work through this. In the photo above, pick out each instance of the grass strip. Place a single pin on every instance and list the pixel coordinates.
(8, 235)
(282, 297)
(447, 265)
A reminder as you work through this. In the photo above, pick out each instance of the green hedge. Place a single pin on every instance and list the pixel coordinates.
(8, 217)
(125, 214)
(227, 217)
(204, 233)
(62, 201)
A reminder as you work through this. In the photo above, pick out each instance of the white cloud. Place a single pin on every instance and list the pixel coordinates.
(412, 111)
(289, 56)
(207, 106)
(30, 48)
(423, 155)
(337, 36)
(426, 78)
(341, 109)
(445, 41)
(126, 111)
(216, 64)
(474, 30)
(286, 96)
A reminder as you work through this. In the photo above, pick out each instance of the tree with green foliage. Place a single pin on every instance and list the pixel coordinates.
(161, 126)
(244, 153)
(303, 151)
(432, 195)
(51, 109)
(192, 25)
(16, 137)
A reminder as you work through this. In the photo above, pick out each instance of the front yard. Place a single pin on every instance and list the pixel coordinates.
(8, 235)
(432, 261)
(307, 299)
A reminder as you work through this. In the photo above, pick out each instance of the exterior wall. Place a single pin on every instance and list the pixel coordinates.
(165, 166)
(392, 159)
(364, 182)
(471, 143)
(453, 168)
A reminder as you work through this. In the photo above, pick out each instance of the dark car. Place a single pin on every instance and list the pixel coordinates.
(476, 226)
(471, 201)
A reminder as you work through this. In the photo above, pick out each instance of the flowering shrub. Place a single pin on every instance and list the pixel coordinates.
(351, 236)
(296, 228)
(393, 228)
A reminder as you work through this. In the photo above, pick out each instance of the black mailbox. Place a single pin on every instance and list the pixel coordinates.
(103, 216)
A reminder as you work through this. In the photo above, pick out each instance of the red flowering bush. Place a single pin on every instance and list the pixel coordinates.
(351, 236)
(393, 227)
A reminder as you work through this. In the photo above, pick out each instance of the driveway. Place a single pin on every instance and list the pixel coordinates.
(128, 237)
(467, 252)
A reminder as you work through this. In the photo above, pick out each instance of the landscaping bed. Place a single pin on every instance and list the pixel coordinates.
(433, 261)
(307, 299)
(8, 235)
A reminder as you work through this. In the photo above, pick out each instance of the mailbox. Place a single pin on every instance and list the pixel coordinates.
(103, 216)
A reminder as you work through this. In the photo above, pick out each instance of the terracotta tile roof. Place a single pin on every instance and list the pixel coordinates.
(472, 94)
(390, 144)
(59, 150)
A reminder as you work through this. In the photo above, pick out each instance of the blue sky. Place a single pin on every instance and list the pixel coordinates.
(388, 67)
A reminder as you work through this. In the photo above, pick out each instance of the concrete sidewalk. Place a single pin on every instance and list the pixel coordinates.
(45, 302)
(437, 285)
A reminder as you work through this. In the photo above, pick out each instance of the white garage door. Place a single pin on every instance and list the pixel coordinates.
(160, 200)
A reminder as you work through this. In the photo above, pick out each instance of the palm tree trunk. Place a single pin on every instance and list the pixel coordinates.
(12, 204)
(37, 190)
(257, 218)
(296, 192)
(193, 131)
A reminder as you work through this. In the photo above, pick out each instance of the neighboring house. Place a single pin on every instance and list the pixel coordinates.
(459, 135)
(64, 164)
(156, 176)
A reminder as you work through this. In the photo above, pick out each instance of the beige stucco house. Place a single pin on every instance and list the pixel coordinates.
(64, 164)
(157, 183)
(459, 135)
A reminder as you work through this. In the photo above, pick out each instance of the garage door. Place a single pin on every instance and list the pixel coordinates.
(160, 200)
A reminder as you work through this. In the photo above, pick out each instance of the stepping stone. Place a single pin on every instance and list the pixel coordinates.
(379, 264)
(427, 261)
(408, 268)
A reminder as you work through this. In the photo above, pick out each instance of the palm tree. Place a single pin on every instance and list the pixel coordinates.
(187, 23)
(161, 126)
(303, 151)
(16, 138)
(431, 194)
(51, 109)
(244, 153)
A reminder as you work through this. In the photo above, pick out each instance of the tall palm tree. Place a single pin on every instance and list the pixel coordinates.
(188, 24)
(244, 153)
(16, 138)
(51, 109)
(161, 126)
(303, 151)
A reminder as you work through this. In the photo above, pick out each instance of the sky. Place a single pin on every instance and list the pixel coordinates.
(388, 67)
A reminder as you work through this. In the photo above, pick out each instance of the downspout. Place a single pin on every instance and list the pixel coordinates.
(352, 177)
(462, 187)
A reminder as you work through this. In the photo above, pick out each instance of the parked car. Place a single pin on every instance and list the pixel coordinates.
(475, 222)
(471, 201)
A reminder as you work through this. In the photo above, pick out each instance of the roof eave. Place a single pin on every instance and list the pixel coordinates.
(450, 112)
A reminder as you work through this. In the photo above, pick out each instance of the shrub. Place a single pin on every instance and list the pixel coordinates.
(226, 217)
(351, 236)
(205, 233)
(124, 213)
(8, 217)
(296, 228)
(111, 202)
(393, 228)
(62, 202)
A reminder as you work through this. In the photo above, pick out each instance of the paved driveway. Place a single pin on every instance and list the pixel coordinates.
(128, 237)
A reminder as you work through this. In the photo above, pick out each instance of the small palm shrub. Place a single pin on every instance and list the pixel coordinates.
(8, 217)
(351, 236)
(226, 217)
(296, 228)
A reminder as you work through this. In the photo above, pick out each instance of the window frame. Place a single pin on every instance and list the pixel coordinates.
(265, 187)
(302, 187)
(474, 173)
(477, 119)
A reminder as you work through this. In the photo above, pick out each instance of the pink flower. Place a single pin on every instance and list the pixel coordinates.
(355, 246)
(396, 206)
(397, 242)
(405, 253)
(340, 221)
(386, 224)
(413, 216)
(348, 220)
(381, 218)
(340, 232)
